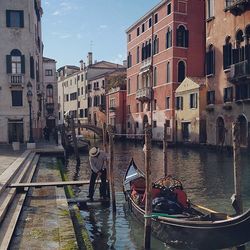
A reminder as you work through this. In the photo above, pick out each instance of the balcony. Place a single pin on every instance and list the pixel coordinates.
(239, 72)
(145, 65)
(144, 94)
(237, 7)
(16, 79)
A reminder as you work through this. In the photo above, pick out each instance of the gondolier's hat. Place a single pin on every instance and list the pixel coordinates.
(94, 151)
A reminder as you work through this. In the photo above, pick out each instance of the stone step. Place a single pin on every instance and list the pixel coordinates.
(11, 218)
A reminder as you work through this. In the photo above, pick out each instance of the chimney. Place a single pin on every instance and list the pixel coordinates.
(81, 65)
(90, 58)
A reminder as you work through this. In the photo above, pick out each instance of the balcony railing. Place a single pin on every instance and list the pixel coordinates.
(239, 71)
(144, 94)
(145, 65)
(237, 7)
(16, 79)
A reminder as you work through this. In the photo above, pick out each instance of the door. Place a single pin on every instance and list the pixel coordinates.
(186, 131)
(15, 131)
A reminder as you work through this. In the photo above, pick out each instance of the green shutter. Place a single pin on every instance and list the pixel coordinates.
(23, 64)
(7, 18)
(8, 64)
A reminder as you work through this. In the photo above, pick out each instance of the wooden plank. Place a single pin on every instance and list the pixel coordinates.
(48, 184)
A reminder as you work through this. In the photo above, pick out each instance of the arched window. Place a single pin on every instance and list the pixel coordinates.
(210, 62)
(155, 76)
(169, 38)
(15, 62)
(239, 38)
(182, 37)
(49, 94)
(227, 53)
(168, 72)
(181, 71)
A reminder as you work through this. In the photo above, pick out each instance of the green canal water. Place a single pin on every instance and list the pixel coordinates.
(207, 177)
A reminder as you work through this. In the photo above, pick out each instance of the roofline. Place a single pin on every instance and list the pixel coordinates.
(146, 15)
(106, 73)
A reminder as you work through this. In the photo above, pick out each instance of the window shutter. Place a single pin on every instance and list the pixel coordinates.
(235, 56)
(167, 40)
(23, 64)
(181, 102)
(8, 64)
(7, 18)
(186, 38)
(21, 19)
(149, 49)
(213, 61)
(208, 99)
(170, 37)
(225, 56)
(32, 68)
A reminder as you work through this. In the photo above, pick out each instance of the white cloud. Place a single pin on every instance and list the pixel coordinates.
(56, 13)
(103, 26)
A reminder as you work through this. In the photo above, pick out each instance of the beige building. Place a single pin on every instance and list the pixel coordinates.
(50, 94)
(21, 52)
(190, 111)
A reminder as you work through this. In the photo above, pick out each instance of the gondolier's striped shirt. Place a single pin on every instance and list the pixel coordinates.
(98, 162)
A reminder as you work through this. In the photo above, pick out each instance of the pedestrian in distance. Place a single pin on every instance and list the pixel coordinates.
(98, 161)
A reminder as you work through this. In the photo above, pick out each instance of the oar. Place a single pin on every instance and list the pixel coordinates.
(207, 209)
(157, 215)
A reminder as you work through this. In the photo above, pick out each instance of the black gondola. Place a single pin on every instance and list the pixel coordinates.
(190, 229)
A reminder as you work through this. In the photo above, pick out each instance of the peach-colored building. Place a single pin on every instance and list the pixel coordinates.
(227, 70)
(164, 46)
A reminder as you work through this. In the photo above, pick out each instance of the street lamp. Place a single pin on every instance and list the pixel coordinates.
(29, 98)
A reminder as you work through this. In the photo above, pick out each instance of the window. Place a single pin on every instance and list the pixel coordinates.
(137, 108)
(155, 45)
(89, 102)
(193, 101)
(154, 124)
(128, 86)
(138, 55)
(66, 97)
(181, 71)
(167, 102)
(129, 109)
(211, 97)
(32, 68)
(14, 18)
(129, 60)
(210, 64)
(15, 62)
(210, 9)
(17, 98)
(182, 37)
(146, 50)
(137, 82)
(129, 37)
(169, 38)
(141, 106)
(169, 9)
(227, 53)
(128, 124)
(143, 28)
(48, 72)
(78, 104)
(155, 76)
(156, 18)
(73, 96)
(179, 103)
(150, 22)
(228, 94)
(137, 124)
(168, 72)
(242, 92)
(49, 94)
(82, 77)
(138, 31)
(81, 113)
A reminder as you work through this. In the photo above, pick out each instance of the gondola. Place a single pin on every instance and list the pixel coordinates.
(82, 144)
(191, 228)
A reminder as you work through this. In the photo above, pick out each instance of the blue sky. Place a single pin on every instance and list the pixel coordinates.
(69, 28)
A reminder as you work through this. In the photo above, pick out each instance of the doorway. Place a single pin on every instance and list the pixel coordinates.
(186, 127)
(15, 130)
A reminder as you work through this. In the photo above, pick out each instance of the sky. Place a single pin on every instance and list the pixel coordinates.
(72, 28)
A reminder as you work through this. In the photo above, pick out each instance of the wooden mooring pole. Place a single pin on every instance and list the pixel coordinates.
(165, 145)
(72, 127)
(148, 203)
(111, 169)
(237, 199)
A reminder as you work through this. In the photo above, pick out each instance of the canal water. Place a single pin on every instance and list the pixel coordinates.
(207, 178)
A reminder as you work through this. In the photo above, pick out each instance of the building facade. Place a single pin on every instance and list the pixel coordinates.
(228, 70)
(190, 111)
(21, 52)
(50, 94)
(164, 46)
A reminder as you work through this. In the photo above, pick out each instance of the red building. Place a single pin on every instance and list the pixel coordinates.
(164, 46)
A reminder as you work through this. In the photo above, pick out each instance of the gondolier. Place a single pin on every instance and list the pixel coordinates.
(98, 161)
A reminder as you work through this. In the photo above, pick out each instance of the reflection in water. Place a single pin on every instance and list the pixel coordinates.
(206, 176)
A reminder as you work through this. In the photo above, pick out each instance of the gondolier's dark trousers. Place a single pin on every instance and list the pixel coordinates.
(103, 186)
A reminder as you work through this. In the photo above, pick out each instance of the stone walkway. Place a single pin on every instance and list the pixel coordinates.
(45, 221)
